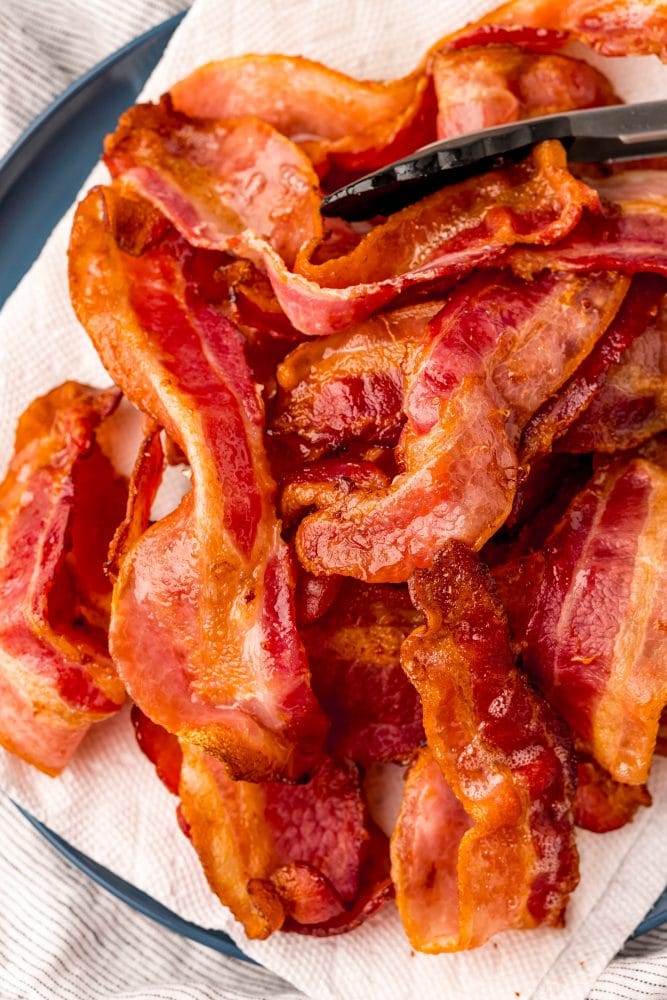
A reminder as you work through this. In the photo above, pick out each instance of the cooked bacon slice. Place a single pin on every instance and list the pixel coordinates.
(203, 630)
(480, 86)
(594, 382)
(602, 804)
(349, 386)
(218, 178)
(354, 652)
(484, 841)
(595, 641)
(631, 405)
(630, 235)
(293, 857)
(535, 202)
(347, 127)
(475, 381)
(60, 503)
(321, 484)
(612, 27)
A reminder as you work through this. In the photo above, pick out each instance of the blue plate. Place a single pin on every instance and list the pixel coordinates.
(39, 179)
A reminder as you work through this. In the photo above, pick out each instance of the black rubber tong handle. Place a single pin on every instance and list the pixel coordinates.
(621, 132)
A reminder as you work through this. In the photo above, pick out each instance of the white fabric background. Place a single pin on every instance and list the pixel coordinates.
(60, 936)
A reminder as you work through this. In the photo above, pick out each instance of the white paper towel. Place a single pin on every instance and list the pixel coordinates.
(109, 803)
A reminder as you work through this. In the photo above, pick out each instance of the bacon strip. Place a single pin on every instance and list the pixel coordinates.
(484, 841)
(300, 858)
(203, 629)
(630, 235)
(347, 127)
(479, 86)
(612, 27)
(594, 382)
(475, 381)
(349, 386)
(218, 178)
(321, 484)
(535, 202)
(59, 505)
(595, 641)
(631, 405)
(354, 652)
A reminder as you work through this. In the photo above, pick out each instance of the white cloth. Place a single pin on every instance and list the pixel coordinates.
(59, 935)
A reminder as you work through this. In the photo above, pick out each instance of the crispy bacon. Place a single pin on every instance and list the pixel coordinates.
(476, 379)
(347, 127)
(60, 503)
(588, 386)
(484, 841)
(630, 235)
(612, 27)
(480, 86)
(218, 179)
(602, 804)
(354, 652)
(293, 857)
(203, 630)
(595, 640)
(321, 484)
(631, 405)
(349, 386)
(535, 202)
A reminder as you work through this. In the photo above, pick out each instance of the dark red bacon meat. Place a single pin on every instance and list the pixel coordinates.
(595, 639)
(480, 372)
(355, 658)
(60, 503)
(485, 840)
(302, 858)
(203, 629)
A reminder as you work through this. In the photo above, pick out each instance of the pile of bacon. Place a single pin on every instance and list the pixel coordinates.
(427, 516)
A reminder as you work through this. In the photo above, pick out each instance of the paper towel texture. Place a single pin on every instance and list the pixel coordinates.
(109, 803)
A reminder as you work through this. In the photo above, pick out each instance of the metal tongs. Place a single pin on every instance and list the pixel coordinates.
(622, 132)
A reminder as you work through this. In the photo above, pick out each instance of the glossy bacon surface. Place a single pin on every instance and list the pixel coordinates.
(218, 179)
(477, 377)
(634, 340)
(630, 235)
(595, 641)
(612, 27)
(355, 657)
(484, 841)
(631, 405)
(60, 503)
(349, 386)
(347, 127)
(303, 857)
(203, 628)
(535, 202)
(479, 86)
